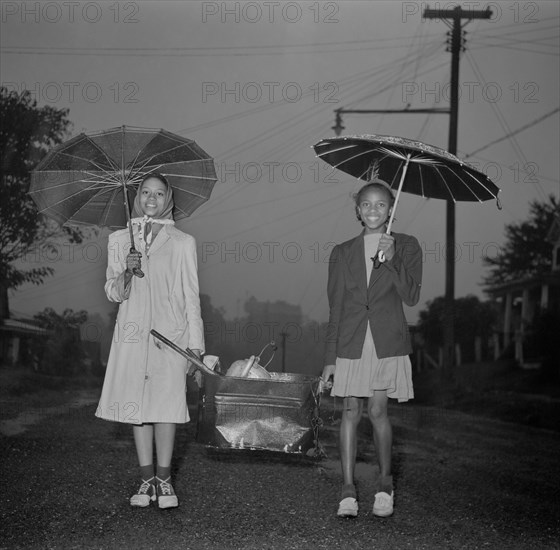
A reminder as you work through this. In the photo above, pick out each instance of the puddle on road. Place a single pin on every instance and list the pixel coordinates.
(18, 425)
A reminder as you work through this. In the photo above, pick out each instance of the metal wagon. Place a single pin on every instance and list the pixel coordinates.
(278, 414)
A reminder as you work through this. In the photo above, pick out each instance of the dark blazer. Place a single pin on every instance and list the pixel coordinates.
(352, 305)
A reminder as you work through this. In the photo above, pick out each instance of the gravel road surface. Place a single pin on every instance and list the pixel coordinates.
(461, 482)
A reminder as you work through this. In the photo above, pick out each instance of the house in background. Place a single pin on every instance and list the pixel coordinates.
(16, 341)
(523, 300)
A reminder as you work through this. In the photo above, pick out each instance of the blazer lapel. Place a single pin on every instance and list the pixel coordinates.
(357, 263)
(376, 273)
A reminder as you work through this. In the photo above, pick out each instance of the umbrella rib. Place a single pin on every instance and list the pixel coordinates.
(445, 183)
(107, 208)
(113, 165)
(67, 197)
(337, 149)
(354, 157)
(189, 192)
(102, 182)
(148, 160)
(422, 183)
(103, 191)
(495, 195)
(468, 187)
(190, 176)
(52, 205)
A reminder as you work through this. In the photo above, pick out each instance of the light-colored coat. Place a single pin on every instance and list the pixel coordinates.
(145, 379)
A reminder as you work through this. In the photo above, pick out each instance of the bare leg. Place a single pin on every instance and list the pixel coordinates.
(382, 437)
(351, 414)
(143, 438)
(165, 440)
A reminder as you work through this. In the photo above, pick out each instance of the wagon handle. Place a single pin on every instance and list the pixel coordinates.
(186, 353)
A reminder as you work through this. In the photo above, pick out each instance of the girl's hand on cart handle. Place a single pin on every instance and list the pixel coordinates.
(195, 371)
(326, 379)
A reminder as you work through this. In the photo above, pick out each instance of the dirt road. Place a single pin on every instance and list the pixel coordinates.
(461, 482)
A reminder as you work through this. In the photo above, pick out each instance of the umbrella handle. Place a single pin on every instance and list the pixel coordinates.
(136, 271)
(381, 254)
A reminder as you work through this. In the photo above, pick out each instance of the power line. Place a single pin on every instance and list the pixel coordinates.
(503, 121)
(514, 132)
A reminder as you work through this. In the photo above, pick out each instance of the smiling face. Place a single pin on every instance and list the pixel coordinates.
(152, 197)
(374, 208)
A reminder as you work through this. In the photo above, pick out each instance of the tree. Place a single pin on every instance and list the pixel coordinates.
(472, 318)
(27, 133)
(63, 353)
(525, 252)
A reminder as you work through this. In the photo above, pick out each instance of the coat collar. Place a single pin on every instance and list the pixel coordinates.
(159, 240)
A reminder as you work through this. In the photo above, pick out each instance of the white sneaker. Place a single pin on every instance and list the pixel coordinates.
(383, 505)
(145, 494)
(165, 494)
(348, 508)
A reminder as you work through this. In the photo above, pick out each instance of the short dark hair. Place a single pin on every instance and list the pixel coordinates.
(378, 184)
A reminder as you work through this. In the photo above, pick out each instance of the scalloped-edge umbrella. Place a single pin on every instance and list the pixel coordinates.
(92, 179)
(407, 165)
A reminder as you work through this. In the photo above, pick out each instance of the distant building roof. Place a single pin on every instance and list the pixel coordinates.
(22, 327)
(549, 278)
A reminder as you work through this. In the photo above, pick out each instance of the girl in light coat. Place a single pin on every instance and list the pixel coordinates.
(145, 381)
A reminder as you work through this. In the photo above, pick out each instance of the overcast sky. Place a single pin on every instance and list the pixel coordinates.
(255, 84)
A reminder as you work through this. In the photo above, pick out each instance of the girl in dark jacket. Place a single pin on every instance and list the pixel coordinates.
(368, 341)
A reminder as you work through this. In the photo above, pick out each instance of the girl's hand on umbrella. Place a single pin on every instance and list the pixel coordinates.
(133, 261)
(387, 246)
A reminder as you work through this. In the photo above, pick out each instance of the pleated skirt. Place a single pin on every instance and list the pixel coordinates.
(361, 377)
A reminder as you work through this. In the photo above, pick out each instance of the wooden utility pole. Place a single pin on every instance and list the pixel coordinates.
(283, 335)
(452, 18)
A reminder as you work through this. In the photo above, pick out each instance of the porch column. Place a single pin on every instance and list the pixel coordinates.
(507, 318)
(544, 296)
(525, 311)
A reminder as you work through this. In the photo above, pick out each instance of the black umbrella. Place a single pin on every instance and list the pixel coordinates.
(407, 165)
